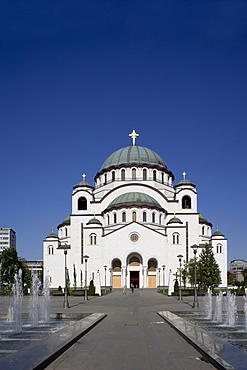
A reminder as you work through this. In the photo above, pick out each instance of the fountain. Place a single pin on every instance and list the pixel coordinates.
(231, 309)
(18, 297)
(45, 307)
(35, 286)
(208, 305)
(218, 307)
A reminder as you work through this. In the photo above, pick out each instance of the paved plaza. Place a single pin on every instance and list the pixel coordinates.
(131, 336)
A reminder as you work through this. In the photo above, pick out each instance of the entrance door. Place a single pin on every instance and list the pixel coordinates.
(134, 278)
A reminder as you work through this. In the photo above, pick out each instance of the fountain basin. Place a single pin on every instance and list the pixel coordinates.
(220, 353)
(37, 353)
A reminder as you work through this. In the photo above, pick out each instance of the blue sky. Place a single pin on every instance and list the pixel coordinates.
(78, 76)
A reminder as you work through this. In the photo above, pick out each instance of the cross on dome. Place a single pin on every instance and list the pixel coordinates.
(84, 176)
(134, 135)
(184, 175)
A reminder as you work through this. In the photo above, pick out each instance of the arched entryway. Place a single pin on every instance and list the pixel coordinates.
(134, 270)
(116, 273)
(152, 268)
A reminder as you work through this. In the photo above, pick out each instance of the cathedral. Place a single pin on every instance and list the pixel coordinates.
(132, 226)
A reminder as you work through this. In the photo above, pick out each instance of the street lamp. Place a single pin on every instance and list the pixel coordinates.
(105, 267)
(159, 277)
(86, 257)
(180, 275)
(195, 304)
(65, 249)
(163, 267)
(110, 269)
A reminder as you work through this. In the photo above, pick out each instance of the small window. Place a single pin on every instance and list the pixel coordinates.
(162, 177)
(66, 231)
(144, 217)
(144, 174)
(134, 238)
(122, 175)
(133, 174)
(108, 220)
(133, 216)
(154, 175)
(82, 204)
(153, 217)
(219, 248)
(113, 175)
(123, 217)
(105, 178)
(114, 218)
(93, 239)
(186, 202)
(160, 221)
(50, 249)
(175, 238)
(203, 230)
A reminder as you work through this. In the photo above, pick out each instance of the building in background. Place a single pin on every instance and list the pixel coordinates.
(236, 267)
(36, 267)
(131, 226)
(7, 238)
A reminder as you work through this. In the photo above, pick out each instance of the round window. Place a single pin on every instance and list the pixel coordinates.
(134, 237)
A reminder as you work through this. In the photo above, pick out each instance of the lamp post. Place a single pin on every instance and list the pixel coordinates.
(86, 257)
(180, 275)
(163, 267)
(105, 267)
(159, 278)
(195, 303)
(65, 249)
(110, 269)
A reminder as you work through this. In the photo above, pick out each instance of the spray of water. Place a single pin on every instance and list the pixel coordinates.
(218, 307)
(35, 286)
(18, 298)
(45, 307)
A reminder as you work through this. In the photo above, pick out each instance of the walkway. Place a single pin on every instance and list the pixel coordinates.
(132, 336)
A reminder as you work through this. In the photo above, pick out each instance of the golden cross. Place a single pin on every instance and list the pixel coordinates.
(84, 176)
(184, 174)
(134, 135)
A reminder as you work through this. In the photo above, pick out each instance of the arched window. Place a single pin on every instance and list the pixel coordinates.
(160, 220)
(153, 217)
(154, 175)
(113, 175)
(93, 239)
(162, 177)
(133, 174)
(219, 248)
(50, 249)
(122, 175)
(66, 231)
(144, 174)
(124, 217)
(114, 218)
(144, 217)
(133, 216)
(105, 178)
(116, 266)
(82, 204)
(175, 238)
(152, 265)
(108, 220)
(186, 202)
(203, 230)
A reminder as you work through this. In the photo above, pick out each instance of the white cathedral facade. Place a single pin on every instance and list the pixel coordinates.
(131, 226)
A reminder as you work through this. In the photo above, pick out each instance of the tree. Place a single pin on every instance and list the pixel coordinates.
(208, 269)
(231, 278)
(244, 273)
(190, 266)
(11, 264)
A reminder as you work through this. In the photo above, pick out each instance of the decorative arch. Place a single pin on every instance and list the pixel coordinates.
(144, 173)
(50, 249)
(82, 204)
(93, 239)
(116, 265)
(175, 238)
(123, 175)
(124, 217)
(219, 248)
(133, 171)
(152, 264)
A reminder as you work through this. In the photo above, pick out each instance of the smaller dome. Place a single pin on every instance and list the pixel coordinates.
(217, 233)
(94, 221)
(174, 220)
(83, 183)
(134, 199)
(52, 235)
(185, 181)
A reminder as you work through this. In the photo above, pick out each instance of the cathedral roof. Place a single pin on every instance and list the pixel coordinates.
(94, 221)
(83, 183)
(134, 155)
(134, 199)
(52, 235)
(217, 233)
(184, 181)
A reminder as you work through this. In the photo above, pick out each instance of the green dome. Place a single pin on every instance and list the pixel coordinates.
(83, 183)
(174, 220)
(134, 199)
(135, 155)
(94, 221)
